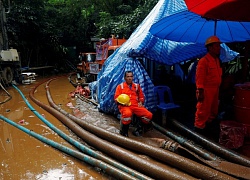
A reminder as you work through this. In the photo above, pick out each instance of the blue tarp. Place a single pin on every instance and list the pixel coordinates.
(142, 44)
(113, 76)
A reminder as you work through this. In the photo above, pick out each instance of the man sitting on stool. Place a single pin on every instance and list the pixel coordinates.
(130, 100)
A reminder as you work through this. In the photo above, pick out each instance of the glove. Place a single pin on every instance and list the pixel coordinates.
(140, 104)
(200, 94)
(127, 104)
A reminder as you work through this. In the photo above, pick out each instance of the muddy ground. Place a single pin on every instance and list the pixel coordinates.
(24, 157)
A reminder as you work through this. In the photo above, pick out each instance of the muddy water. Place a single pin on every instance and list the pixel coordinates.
(24, 157)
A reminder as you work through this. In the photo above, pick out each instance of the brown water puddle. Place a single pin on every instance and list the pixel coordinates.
(24, 157)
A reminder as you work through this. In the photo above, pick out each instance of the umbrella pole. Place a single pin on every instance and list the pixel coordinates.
(215, 27)
(245, 62)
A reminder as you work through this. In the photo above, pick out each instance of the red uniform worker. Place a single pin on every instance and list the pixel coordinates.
(208, 80)
(132, 104)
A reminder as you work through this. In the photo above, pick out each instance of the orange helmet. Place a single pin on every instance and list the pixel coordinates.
(212, 39)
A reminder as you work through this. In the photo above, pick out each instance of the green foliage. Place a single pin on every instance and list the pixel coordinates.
(234, 66)
(105, 24)
(43, 29)
(128, 18)
(24, 27)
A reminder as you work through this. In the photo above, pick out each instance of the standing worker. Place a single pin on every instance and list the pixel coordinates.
(208, 80)
(130, 100)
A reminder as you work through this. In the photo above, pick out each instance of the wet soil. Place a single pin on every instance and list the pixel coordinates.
(23, 156)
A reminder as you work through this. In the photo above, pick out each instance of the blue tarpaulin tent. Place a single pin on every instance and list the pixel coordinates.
(143, 44)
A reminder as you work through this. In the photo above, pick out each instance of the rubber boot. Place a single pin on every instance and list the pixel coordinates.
(138, 130)
(148, 127)
(124, 130)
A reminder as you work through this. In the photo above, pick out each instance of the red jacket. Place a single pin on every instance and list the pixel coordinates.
(135, 93)
(208, 72)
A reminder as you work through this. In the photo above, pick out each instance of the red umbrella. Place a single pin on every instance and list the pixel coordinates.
(233, 10)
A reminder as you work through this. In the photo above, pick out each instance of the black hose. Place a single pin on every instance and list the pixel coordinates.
(187, 165)
(215, 147)
(210, 159)
(150, 167)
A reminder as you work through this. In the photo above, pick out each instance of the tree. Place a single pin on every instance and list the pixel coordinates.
(24, 27)
(129, 14)
(42, 30)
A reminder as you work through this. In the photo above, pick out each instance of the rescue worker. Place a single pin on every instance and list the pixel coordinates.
(208, 80)
(130, 100)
